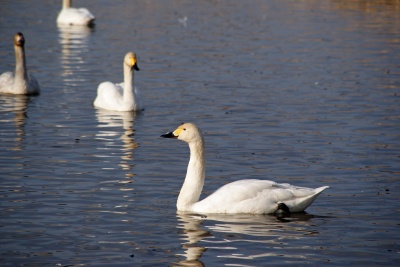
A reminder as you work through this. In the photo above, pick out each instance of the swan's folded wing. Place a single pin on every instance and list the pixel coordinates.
(257, 196)
(75, 16)
(108, 95)
(6, 82)
(86, 13)
(108, 90)
(243, 196)
(245, 189)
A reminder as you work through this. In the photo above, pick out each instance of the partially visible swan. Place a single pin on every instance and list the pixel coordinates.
(122, 96)
(74, 16)
(20, 83)
(243, 196)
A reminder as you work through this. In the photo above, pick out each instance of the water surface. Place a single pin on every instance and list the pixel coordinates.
(301, 92)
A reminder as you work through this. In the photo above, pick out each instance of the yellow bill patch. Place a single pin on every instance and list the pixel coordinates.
(178, 131)
(132, 61)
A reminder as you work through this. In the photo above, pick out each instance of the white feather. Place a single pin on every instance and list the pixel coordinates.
(74, 16)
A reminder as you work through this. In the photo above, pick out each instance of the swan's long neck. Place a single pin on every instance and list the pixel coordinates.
(194, 181)
(21, 74)
(129, 94)
(67, 3)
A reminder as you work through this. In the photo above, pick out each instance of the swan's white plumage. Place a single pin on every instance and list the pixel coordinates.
(122, 96)
(74, 16)
(20, 82)
(243, 196)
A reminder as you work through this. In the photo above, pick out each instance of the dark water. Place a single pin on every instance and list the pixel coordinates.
(304, 92)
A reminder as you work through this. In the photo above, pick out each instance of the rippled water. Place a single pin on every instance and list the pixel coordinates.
(305, 92)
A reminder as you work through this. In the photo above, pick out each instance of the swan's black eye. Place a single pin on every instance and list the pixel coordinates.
(184, 129)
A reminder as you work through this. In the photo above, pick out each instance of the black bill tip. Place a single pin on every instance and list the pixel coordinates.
(168, 135)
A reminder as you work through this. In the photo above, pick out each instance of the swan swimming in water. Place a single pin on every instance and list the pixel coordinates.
(74, 16)
(243, 196)
(20, 82)
(122, 96)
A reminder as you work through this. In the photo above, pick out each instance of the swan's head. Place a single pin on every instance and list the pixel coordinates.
(131, 61)
(19, 39)
(187, 132)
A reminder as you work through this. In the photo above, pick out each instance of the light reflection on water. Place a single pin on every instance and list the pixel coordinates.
(111, 123)
(13, 110)
(223, 233)
(74, 45)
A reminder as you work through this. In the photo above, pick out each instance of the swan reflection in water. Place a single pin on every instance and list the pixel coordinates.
(113, 124)
(221, 232)
(13, 110)
(74, 44)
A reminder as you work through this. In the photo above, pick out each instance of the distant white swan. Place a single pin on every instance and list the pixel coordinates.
(74, 16)
(122, 96)
(243, 196)
(21, 82)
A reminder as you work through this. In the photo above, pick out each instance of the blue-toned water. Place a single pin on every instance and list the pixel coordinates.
(301, 92)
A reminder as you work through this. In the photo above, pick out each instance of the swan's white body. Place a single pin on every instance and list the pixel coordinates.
(20, 82)
(74, 16)
(243, 196)
(122, 96)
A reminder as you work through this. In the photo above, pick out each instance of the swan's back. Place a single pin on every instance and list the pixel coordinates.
(109, 95)
(257, 197)
(75, 16)
(8, 85)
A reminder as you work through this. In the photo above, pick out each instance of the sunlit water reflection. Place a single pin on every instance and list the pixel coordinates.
(14, 109)
(111, 123)
(74, 44)
(228, 236)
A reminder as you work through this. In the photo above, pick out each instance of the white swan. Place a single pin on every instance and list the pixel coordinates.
(243, 196)
(74, 16)
(21, 82)
(122, 96)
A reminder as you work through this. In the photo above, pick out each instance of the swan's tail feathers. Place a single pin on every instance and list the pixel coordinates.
(306, 201)
(320, 189)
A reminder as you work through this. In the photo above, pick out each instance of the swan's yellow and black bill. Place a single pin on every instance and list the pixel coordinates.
(169, 135)
(133, 62)
(135, 67)
(175, 133)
